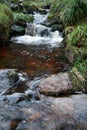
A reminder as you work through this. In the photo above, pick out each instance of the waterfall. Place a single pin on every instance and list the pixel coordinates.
(37, 34)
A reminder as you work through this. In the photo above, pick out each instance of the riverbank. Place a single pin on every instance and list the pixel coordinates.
(74, 29)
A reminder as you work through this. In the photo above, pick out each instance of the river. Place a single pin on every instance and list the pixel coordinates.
(24, 63)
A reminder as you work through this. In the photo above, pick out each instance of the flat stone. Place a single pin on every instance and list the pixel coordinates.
(56, 84)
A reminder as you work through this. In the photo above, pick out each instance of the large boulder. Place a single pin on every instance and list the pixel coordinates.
(56, 85)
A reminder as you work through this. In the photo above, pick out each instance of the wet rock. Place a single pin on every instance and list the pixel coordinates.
(13, 98)
(17, 30)
(58, 27)
(56, 84)
(33, 94)
(4, 81)
(67, 113)
(30, 30)
(12, 81)
(13, 76)
(54, 20)
(42, 11)
(14, 6)
(30, 9)
(45, 32)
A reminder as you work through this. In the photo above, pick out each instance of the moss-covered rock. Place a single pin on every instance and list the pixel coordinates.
(20, 23)
(17, 30)
(6, 20)
(21, 17)
(78, 81)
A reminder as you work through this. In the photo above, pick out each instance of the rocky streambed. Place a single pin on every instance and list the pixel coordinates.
(24, 107)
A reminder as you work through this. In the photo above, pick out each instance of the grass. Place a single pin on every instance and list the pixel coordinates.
(78, 37)
(6, 20)
(39, 4)
(70, 11)
(77, 42)
(81, 65)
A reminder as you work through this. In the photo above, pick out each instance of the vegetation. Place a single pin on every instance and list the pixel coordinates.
(79, 36)
(39, 4)
(22, 17)
(77, 41)
(73, 15)
(6, 20)
(69, 11)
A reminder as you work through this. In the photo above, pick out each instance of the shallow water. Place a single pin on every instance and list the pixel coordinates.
(35, 60)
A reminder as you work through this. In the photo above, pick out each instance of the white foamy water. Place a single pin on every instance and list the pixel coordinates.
(39, 18)
(37, 40)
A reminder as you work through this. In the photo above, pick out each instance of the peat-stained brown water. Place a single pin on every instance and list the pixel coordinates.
(35, 60)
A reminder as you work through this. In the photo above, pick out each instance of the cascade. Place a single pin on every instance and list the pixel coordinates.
(38, 34)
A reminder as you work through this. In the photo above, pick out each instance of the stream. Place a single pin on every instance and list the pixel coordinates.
(26, 64)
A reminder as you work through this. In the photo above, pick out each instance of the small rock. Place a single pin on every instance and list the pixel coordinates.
(13, 76)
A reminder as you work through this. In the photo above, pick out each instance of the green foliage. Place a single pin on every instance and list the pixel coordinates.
(74, 11)
(70, 11)
(78, 81)
(81, 65)
(22, 17)
(77, 42)
(39, 4)
(79, 36)
(5, 21)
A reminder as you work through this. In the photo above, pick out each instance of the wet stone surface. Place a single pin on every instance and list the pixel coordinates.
(20, 110)
(48, 114)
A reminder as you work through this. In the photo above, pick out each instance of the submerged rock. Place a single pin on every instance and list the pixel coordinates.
(56, 84)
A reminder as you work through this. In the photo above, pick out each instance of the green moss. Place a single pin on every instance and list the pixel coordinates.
(20, 16)
(5, 22)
